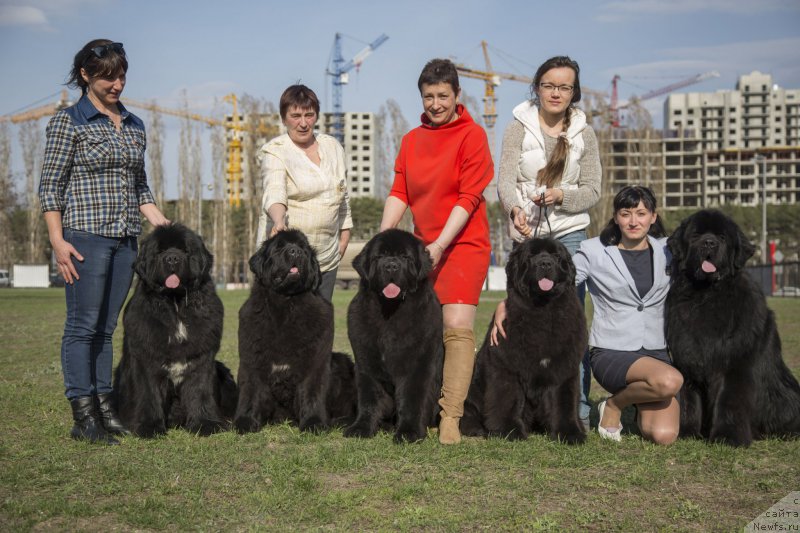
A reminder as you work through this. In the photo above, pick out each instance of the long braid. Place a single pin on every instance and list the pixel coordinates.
(550, 175)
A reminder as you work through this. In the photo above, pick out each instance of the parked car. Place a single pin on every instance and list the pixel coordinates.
(4, 280)
(787, 292)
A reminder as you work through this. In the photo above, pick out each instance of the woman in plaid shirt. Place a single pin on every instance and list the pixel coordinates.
(92, 190)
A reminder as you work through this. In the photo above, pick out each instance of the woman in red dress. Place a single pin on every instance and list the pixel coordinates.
(440, 174)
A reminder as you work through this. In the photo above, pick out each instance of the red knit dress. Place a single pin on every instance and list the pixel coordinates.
(438, 168)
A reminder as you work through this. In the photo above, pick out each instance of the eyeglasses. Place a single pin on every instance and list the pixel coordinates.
(549, 87)
(103, 50)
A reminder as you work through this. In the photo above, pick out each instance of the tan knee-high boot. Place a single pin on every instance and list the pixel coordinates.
(459, 361)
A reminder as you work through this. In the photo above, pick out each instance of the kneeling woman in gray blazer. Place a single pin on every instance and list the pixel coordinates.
(626, 274)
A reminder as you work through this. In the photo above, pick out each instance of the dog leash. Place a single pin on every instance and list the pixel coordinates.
(543, 213)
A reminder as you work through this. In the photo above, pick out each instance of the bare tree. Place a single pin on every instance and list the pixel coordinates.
(8, 200)
(600, 214)
(598, 116)
(196, 177)
(391, 126)
(219, 240)
(32, 153)
(254, 111)
(155, 156)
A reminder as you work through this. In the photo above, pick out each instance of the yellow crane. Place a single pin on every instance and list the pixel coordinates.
(234, 141)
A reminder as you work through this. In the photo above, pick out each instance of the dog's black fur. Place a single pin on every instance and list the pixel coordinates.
(168, 376)
(724, 340)
(287, 370)
(529, 381)
(395, 329)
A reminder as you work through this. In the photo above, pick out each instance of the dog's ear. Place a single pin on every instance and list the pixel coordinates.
(200, 259)
(144, 266)
(259, 261)
(314, 274)
(743, 248)
(361, 262)
(566, 263)
(516, 268)
(677, 246)
(424, 262)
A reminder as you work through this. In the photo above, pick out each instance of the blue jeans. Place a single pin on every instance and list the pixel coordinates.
(93, 305)
(572, 241)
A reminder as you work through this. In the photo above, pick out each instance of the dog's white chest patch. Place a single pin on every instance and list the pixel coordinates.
(176, 371)
(279, 368)
(181, 334)
(544, 362)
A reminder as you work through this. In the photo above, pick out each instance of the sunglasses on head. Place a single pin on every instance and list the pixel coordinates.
(103, 50)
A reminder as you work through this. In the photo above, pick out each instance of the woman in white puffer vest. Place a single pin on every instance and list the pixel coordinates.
(550, 169)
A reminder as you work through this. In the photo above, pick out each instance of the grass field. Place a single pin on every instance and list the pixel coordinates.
(280, 479)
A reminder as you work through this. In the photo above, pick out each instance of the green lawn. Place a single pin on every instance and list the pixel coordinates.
(280, 479)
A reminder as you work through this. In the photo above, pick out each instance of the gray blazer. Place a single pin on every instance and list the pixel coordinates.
(623, 320)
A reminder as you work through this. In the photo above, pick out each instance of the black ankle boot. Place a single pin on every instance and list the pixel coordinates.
(87, 422)
(108, 416)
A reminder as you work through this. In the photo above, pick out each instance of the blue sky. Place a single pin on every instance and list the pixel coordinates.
(212, 48)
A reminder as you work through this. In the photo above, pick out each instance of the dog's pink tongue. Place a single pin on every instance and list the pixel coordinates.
(173, 281)
(545, 284)
(708, 267)
(391, 290)
(293, 270)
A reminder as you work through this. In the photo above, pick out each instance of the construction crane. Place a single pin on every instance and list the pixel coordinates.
(492, 79)
(39, 112)
(338, 70)
(234, 142)
(615, 107)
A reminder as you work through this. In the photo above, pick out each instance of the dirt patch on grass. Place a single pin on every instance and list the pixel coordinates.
(107, 522)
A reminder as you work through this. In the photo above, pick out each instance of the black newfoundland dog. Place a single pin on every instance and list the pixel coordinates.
(167, 376)
(724, 340)
(395, 329)
(286, 369)
(529, 381)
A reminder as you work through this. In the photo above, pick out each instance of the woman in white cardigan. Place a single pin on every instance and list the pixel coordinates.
(626, 273)
(305, 187)
(550, 170)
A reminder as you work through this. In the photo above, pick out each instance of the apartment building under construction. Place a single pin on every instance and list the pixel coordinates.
(710, 151)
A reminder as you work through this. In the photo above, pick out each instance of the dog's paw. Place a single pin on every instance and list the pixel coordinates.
(360, 430)
(510, 433)
(471, 428)
(732, 436)
(246, 424)
(313, 424)
(408, 435)
(150, 430)
(204, 428)
(570, 436)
